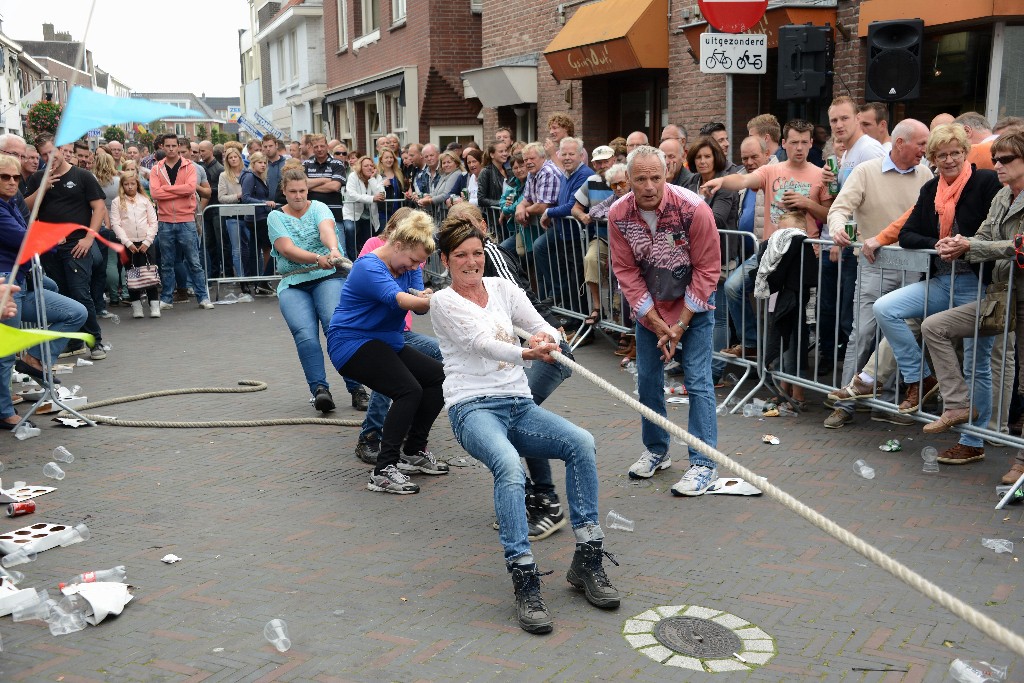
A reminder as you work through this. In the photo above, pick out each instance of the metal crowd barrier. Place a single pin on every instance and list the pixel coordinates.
(908, 267)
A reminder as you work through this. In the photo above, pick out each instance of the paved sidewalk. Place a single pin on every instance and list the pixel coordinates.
(277, 522)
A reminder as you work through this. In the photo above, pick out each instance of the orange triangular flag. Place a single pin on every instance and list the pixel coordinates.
(42, 236)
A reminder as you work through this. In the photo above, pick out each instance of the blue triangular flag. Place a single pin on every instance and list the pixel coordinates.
(87, 109)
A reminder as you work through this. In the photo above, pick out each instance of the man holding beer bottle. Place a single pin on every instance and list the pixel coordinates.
(842, 116)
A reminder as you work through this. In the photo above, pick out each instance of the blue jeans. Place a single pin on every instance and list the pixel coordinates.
(828, 339)
(373, 423)
(496, 431)
(542, 266)
(694, 354)
(720, 336)
(232, 228)
(307, 312)
(356, 234)
(62, 315)
(738, 288)
(892, 311)
(183, 236)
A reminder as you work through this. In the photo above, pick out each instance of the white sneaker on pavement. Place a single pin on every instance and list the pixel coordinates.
(648, 464)
(696, 481)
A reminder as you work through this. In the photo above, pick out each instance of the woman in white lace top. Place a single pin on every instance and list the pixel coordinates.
(494, 417)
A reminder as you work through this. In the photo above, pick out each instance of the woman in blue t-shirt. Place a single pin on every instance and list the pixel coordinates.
(365, 342)
(309, 260)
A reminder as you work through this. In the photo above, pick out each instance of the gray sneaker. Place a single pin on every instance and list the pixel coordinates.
(424, 462)
(879, 415)
(837, 419)
(390, 480)
(97, 353)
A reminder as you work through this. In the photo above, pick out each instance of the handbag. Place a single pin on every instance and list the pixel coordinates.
(143, 277)
(992, 310)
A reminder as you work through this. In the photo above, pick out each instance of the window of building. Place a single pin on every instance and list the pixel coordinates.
(397, 116)
(342, 24)
(281, 63)
(179, 129)
(374, 122)
(370, 11)
(1011, 80)
(443, 135)
(293, 55)
(397, 11)
(476, 6)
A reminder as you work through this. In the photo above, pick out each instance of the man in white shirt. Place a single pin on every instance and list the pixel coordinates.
(842, 117)
(873, 118)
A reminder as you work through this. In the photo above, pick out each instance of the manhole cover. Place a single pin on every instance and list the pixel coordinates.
(695, 637)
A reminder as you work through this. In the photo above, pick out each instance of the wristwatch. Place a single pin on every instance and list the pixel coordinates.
(681, 325)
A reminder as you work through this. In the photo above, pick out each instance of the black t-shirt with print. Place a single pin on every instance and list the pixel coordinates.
(68, 200)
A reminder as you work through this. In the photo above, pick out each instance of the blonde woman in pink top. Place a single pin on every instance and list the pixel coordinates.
(133, 220)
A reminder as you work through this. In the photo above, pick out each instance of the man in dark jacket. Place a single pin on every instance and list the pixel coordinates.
(216, 256)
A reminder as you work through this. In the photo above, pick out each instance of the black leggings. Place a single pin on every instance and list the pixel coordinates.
(412, 381)
(139, 259)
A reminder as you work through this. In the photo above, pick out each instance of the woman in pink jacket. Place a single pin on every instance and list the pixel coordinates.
(134, 222)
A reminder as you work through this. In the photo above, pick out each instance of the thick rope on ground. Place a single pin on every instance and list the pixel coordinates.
(245, 386)
(983, 623)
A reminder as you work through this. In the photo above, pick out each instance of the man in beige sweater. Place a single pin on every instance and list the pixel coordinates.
(876, 193)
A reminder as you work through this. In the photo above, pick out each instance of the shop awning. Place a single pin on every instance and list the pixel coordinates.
(364, 89)
(502, 86)
(936, 13)
(611, 36)
(776, 16)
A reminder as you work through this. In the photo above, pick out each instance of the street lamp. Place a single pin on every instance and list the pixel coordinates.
(48, 84)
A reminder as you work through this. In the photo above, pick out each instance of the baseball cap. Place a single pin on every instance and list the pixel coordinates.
(603, 152)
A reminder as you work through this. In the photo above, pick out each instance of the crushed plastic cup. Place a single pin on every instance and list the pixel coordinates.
(276, 631)
(1000, 545)
(37, 607)
(25, 432)
(53, 471)
(616, 521)
(976, 672)
(891, 446)
(931, 459)
(19, 556)
(12, 576)
(81, 362)
(245, 299)
(750, 410)
(62, 454)
(230, 297)
(863, 469)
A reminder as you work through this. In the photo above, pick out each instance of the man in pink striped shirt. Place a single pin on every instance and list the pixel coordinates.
(665, 253)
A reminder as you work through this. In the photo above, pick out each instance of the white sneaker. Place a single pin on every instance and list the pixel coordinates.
(648, 464)
(206, 303)
(164, 305)
(154, 309)
(136, 309)
(695, 481)
(105, 314)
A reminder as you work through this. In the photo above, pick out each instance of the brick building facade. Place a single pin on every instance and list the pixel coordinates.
(395, 65)
(966, 61)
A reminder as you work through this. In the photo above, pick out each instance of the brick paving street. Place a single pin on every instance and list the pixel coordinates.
(277, 522)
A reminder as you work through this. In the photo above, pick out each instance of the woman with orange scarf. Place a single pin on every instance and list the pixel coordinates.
(954, 203)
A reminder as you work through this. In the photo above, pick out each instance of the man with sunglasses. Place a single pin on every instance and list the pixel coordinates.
(1000, 239)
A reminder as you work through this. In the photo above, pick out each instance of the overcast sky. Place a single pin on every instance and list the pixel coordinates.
(128, 39)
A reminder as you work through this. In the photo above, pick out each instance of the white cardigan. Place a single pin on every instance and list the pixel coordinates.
(137, 223)
(482, 354)
(359, 196)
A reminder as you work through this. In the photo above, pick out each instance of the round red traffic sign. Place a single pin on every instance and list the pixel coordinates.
(733, 16)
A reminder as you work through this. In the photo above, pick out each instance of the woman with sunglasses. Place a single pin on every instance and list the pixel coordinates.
(949, 210)
(62, 313)
(999, 239)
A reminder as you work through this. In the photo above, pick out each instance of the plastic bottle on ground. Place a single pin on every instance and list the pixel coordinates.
(976, 672)
(115, 574)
